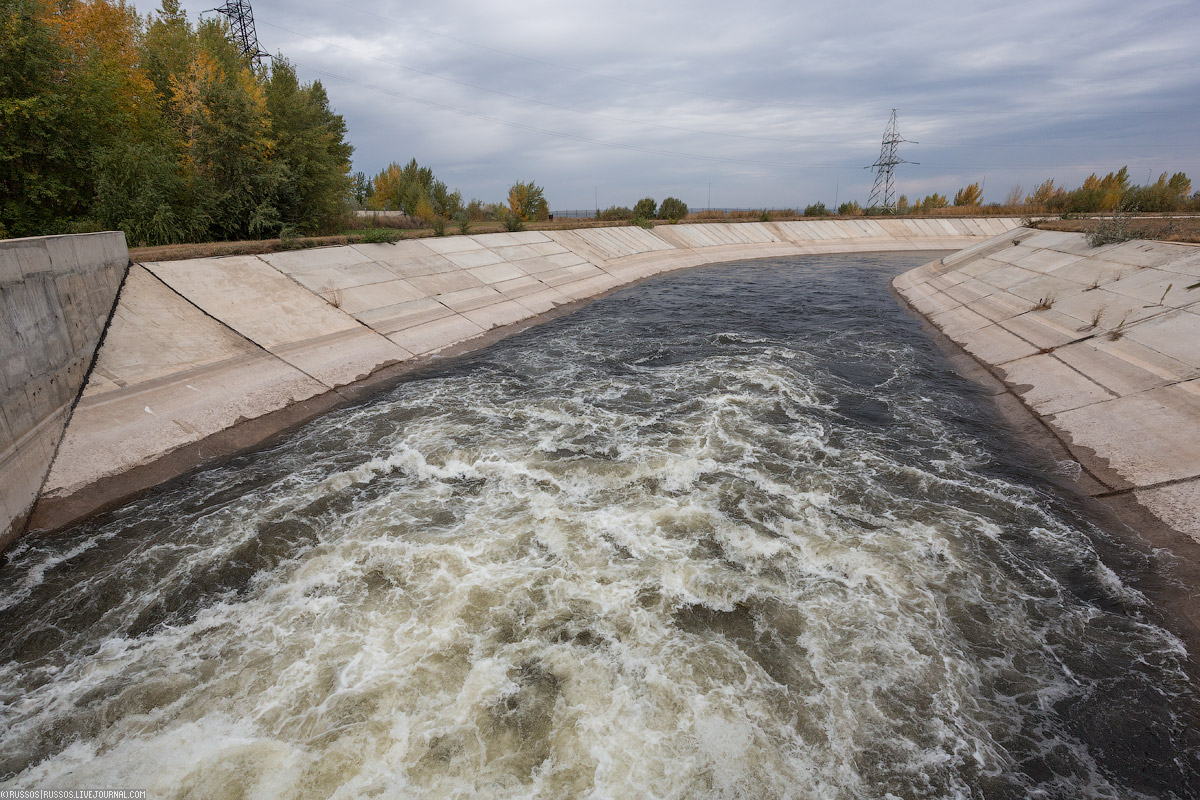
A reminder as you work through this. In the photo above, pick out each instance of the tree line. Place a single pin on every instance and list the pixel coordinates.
(158, 127)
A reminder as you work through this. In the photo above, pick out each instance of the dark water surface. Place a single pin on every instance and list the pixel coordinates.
(734, 532)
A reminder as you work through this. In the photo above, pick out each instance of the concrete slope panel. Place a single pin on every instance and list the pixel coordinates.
(282, 317)
(167, 376)
(56, 293)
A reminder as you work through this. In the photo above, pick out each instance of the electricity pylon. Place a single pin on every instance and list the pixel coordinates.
(884, 188)
(241, 27)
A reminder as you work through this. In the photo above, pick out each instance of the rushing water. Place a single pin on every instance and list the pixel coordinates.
(736, 532)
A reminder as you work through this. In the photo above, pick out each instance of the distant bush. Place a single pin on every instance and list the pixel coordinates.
(615, 214)
(672, 209)
(816, 210)
(527, 201)
(642, 222)
(850, 207)
(969, 195)
(645, 208)
(513, 223)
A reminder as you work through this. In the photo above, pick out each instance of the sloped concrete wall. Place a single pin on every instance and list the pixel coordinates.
(56, 293)
(208, 356)
(1103, 344)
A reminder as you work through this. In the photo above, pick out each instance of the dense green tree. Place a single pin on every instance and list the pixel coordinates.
(407, 188)
(157, 127)
(527, 201)
(310, 145)
(38, 149)
(645, 208)
(672, 209)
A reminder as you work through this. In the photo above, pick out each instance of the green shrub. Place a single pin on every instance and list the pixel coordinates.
(850, 207)
(381, 236)
(816, 210)
(513, 223)
(645, 208)
(642, 222)
(672, 209)
(439, 226)
(615, 214)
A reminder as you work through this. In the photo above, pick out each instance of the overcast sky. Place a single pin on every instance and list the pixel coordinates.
(775, 104)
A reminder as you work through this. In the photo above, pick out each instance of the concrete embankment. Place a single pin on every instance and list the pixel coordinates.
(1101, 344)
(208, 357)
(56, 293)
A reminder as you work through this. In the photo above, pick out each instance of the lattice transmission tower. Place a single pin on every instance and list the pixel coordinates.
(241, 27)
(884, 188)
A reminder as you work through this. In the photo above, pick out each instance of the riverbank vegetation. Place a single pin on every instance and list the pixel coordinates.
(158, 127)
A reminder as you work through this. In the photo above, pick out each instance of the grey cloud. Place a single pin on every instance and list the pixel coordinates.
(1117, 80)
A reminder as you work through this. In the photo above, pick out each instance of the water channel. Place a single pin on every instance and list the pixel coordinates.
(733, 532)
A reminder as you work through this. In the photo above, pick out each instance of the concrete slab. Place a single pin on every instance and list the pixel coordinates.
(1148, 438)
(359, 299)
(999, 306)
(390, 319)
(1117, 372)
(1048, 261)
(1175, 334)
(296, 261)
(418, 266)
(308, 332)
(498, 273)
(1042, 328)
(1143, 253)
(452, 244)
(194, 375)
(429, 337)
(543, 300)
(1049, 385)
(469, 299)
(505, 312)
(446, 282)
(474, 258)
(1176, 504)
(332, 278)
(994, 345)
(959, 320)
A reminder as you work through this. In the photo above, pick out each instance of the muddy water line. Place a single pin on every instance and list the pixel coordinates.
(736, 532)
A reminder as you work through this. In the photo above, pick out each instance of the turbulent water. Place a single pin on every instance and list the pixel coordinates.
(736, 532)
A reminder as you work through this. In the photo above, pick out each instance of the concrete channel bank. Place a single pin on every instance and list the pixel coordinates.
(56, 294)
(208, 357)
(1102, 344)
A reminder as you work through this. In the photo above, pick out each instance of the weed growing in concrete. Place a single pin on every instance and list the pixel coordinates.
(333, 295)
(1045, 303)
(1097, 314)
(1119, 331)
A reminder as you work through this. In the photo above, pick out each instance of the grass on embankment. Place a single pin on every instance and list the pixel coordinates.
(1162, 227)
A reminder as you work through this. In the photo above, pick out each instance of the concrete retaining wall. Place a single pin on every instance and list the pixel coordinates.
(209, 356)
(56, 293)
(1103, 344)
